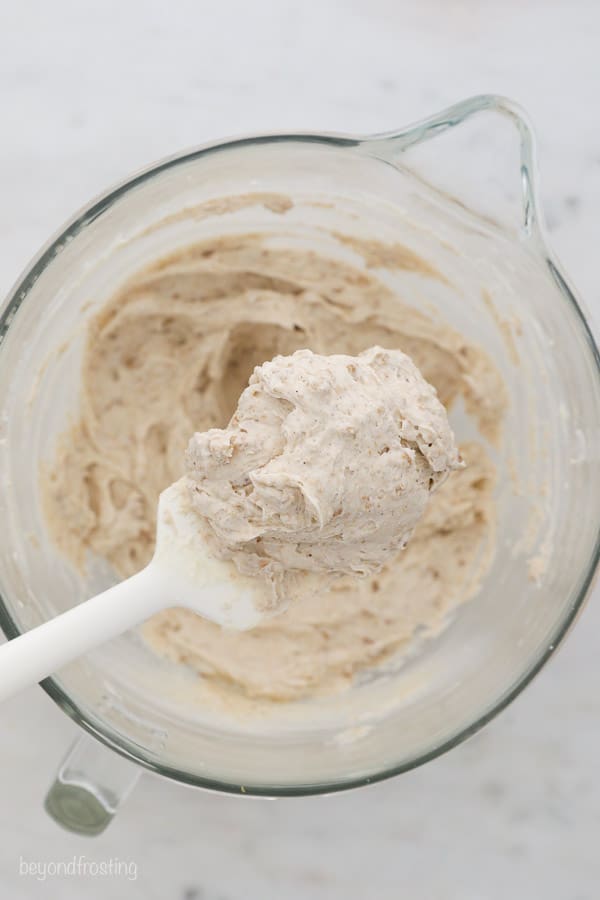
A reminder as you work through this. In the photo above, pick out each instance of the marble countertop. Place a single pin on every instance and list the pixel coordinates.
(89, 92)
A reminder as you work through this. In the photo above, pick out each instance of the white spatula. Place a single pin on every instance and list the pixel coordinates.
(181, 573)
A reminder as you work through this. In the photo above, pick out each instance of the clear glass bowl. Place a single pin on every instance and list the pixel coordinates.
(370, 186)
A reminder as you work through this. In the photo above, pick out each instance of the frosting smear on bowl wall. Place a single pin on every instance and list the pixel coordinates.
(169, 356)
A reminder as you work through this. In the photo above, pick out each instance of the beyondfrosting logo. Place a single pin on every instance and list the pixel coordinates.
(78, 867)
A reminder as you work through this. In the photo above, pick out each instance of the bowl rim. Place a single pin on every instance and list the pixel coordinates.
(378, 145)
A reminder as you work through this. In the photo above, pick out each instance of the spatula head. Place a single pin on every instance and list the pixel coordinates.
(211, 587)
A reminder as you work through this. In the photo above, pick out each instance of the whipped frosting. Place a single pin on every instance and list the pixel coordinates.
(326, 466)
(169, 354)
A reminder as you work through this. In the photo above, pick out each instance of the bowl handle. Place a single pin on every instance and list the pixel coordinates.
(397, 147)
(90, 786)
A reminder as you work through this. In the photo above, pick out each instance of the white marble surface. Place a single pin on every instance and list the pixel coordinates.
(90, 91)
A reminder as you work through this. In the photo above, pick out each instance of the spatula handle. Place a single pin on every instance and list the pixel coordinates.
(38, 653)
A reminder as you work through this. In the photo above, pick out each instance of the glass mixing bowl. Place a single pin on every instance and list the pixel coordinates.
(502, 288)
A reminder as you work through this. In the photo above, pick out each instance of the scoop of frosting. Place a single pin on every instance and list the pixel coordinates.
(325, 467)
